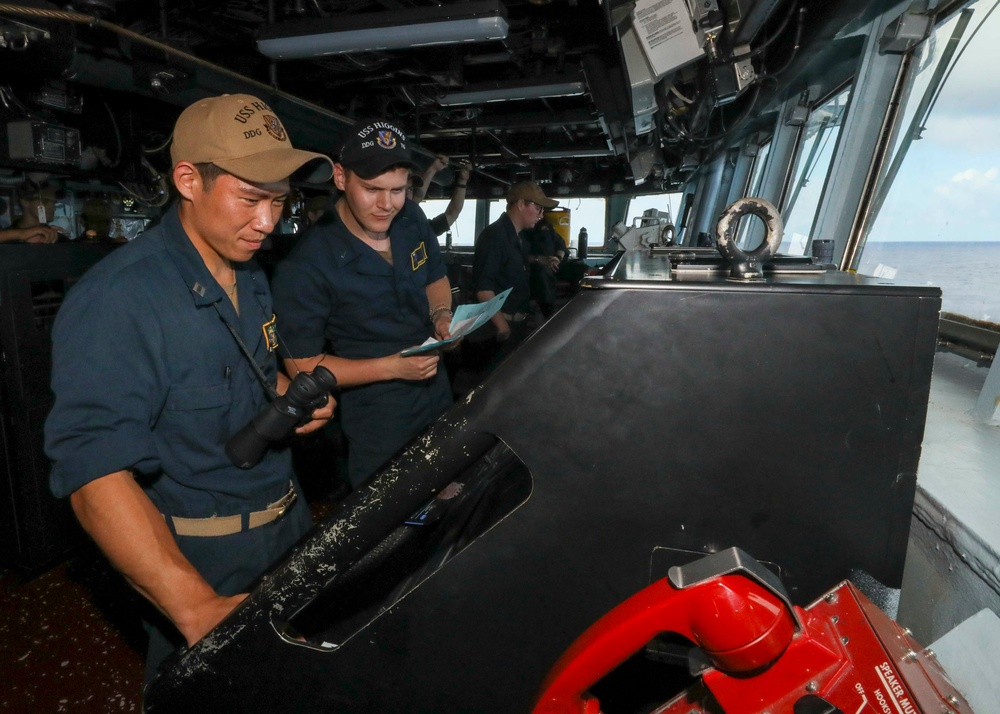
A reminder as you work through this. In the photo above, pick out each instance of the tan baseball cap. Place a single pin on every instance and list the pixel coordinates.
(530, 191)
(240, 134)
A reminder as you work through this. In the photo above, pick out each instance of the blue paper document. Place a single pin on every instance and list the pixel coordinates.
(466, 319)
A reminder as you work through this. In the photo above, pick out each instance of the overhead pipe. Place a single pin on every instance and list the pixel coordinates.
(96, 22)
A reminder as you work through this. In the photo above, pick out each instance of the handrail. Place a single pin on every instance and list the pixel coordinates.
(975, 339)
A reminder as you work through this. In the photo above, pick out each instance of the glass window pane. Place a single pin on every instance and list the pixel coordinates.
(497, 207)
(812, 164)
(654, 230)
(669, 202)
(463, 230)
(939, 223)
(753, 190)
(757, 172)
(584, 213)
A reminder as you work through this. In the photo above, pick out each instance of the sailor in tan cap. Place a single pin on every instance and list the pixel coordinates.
(501, 261)
(163, 351)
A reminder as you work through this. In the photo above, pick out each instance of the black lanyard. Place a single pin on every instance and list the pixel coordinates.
(271, 393)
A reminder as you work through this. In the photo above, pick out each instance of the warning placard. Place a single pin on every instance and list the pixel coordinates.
(667, 34)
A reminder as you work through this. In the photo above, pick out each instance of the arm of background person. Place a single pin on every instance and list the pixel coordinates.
(420, 192)
(549, 262)
(457, 202)
(127, 526)
(484, 278)
(35, 234)
(355, 372)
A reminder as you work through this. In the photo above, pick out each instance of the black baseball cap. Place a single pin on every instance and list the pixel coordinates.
(373, 146)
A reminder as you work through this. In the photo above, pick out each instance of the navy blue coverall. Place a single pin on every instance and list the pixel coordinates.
(147, 377)
(336, 295)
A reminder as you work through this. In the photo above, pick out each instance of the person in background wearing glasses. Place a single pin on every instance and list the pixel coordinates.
(502, 259)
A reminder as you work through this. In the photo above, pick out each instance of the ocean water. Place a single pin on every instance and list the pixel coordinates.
(968, 273)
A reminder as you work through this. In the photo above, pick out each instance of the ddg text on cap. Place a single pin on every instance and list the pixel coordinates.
(241, 134)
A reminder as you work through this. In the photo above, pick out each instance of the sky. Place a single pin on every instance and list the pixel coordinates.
(949, 185)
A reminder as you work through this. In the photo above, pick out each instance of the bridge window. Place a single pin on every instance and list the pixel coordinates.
(669, 202)
(463, 230)
(812, 164)
(938, 217)
(753, 188)
(586, 213)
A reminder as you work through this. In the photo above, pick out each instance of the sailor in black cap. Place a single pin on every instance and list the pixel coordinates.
(360, 288)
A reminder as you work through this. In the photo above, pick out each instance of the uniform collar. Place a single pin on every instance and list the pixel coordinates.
(509, 227)
(347, 247)
(204, 288)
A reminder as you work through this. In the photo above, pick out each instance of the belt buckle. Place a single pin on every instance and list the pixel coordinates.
(286, 502)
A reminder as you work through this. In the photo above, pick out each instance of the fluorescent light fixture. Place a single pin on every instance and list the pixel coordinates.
(571, 86)
(475, 21)
(569, 153)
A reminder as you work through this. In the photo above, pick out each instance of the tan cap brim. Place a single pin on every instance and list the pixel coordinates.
(278, 164)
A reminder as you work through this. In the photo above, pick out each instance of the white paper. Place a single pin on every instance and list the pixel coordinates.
(666, 34)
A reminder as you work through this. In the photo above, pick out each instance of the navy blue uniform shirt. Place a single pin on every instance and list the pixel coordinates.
(334, 290)
(147, 377)
(500, 262)
(335, 294)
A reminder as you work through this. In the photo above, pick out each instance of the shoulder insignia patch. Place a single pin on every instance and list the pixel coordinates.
(419, 256)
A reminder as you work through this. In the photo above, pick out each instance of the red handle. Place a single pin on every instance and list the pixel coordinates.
(741, 625)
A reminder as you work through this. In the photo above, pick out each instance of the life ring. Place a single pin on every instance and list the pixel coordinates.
(667, 235)
(748, 266)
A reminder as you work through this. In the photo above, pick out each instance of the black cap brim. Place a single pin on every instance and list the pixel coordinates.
(378, 165)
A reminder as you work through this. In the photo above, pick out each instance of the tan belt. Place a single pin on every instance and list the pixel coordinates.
(227, 525)
(516, 317)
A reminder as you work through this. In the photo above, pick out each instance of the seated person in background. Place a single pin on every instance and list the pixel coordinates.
(543, 240)
(440, 224)
(38, 205)
(96, 214)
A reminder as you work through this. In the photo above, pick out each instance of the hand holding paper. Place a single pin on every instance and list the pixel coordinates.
(467, 318)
